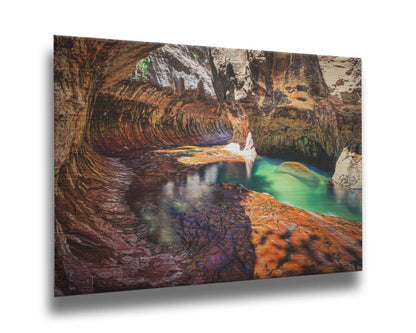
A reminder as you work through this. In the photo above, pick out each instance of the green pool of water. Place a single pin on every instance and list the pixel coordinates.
(309, 190)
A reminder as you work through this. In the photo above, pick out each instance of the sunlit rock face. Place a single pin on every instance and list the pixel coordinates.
(175, 102)
(343, 78)
(348, 170)
(128, 216)
(287, 79)
(292, 113)
(295, 121)
(231, 73)
(248, 153)
(181, 68)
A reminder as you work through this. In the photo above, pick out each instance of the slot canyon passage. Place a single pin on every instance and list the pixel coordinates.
(179, 165)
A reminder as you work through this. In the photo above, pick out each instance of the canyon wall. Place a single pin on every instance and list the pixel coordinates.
(99, 243)
(182, 68)
(82, 67)
(299, 107)
(135, 115)
(84, 233)
(189, 96)
(292, 112)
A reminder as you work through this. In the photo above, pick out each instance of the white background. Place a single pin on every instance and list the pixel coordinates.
(381, 298)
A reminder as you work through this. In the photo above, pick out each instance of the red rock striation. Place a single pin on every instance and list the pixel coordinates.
(89, 209)
(109, 178)
(136, 114)
(100, 244)
(82, 68)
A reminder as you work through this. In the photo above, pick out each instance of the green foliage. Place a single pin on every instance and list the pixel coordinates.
(196, 56)
(141, 71)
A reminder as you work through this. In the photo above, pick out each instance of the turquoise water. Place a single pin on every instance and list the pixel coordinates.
(309, 190)
(157, 200)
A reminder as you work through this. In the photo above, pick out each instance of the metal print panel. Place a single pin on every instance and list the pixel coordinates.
(182, 165)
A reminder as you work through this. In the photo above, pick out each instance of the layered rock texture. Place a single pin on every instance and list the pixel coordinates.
(116, 153)
(82, 68)
(134, 114)
(292, 111)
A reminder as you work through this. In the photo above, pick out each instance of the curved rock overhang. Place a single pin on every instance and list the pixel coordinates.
(134, 115)
(97, 237)
(99, 244)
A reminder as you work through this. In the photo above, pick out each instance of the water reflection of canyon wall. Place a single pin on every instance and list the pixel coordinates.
(126, 217)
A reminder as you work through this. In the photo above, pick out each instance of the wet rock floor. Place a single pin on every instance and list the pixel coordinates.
(159, 218)
(228, 230)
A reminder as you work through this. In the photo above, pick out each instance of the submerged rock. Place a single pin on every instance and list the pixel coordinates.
(348, 170)
(193, 96)
(299, 171)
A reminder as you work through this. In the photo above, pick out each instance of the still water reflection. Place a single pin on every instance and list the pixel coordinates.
(163, 201)
(313, 193)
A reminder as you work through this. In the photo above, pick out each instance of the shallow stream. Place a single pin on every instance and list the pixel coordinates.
(311, 191)
(165, 188)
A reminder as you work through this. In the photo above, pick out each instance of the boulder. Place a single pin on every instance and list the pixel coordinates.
(348, 170)
(299, 171)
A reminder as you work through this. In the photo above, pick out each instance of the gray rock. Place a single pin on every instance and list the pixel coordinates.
(348, 170)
